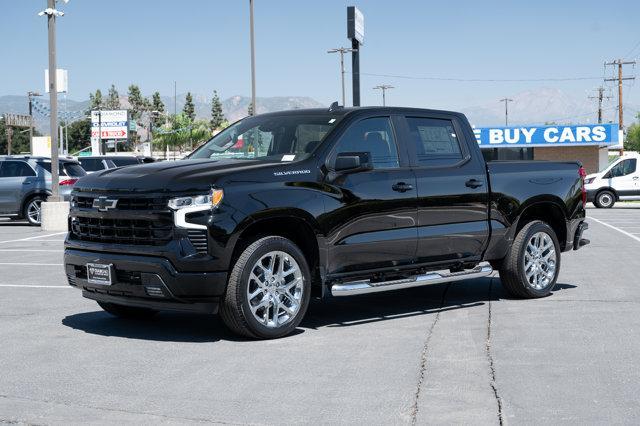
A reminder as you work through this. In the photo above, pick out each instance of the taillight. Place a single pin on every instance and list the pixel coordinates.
(583, 173)
(67, 182)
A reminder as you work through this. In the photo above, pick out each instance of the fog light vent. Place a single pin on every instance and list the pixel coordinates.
(154, 291)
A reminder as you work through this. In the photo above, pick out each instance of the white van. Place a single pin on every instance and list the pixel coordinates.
(619, 181)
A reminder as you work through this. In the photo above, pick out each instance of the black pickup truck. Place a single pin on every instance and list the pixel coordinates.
(282, 207)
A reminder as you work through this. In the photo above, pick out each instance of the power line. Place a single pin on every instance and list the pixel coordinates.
(483, 80)
(632, 50)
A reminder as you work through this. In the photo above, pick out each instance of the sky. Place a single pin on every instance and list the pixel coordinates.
(203, 45)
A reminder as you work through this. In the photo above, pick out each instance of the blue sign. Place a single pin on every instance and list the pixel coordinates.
(529, 136)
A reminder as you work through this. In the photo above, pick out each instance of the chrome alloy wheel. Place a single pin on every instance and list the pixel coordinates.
(540, 260)
(33, 211)
(275, 289)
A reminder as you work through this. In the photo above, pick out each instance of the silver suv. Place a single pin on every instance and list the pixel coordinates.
(26, 181)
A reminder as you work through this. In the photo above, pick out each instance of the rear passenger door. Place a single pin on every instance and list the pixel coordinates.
(370, 218)
(17, 179)
(452, 189)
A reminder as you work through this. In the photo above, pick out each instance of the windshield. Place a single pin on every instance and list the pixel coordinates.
(270, 138)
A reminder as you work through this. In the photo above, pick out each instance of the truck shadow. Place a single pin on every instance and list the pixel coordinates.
(336, 312)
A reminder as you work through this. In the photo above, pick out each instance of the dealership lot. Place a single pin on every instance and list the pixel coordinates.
(459, 353)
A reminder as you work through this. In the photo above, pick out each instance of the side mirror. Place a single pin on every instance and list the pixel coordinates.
(352, 162)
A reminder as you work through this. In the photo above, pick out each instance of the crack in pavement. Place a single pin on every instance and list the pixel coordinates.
(423, 358)
(492, 368)
(115, 410)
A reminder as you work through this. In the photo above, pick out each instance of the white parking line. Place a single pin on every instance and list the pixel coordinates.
(34, 250)
(36, 237)
(30, 264)
(35, 286)
(622, 231)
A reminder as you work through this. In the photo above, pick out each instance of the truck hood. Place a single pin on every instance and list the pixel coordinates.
(166, 176)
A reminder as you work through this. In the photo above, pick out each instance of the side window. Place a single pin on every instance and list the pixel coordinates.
(372, 135)
(91, 164)
(434, 139)
(16, 169)
(623, 168)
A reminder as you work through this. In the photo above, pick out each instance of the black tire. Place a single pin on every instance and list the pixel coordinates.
(122, 311)
(512, 271)
(605, 199)
(235, 307)
(26, 210)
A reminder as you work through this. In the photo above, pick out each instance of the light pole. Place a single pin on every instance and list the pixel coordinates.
(52, 14)
(30, 95)
(342, 51)
(506, 110)
(253, 60)
(384, 88)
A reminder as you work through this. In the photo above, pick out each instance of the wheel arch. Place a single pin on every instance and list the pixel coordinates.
(607, 188)
(29, 196)
(548, 211)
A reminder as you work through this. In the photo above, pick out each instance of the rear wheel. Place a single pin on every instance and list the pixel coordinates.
(122, 311)
(531, 267)
(605, 199)
(32, 210)
(269, 289)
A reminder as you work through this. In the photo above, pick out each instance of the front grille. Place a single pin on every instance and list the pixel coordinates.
(153, 204)
(198, 239)
(121, 231)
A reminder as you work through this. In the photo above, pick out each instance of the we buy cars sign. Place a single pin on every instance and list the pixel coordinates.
(112, 124)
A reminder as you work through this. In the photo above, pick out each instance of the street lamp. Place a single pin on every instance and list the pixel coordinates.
(384, 88)
(253, 61)
(342, 51)
(506, 110)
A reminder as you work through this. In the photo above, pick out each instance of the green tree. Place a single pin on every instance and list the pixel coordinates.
(182, 133)
(217, 116)
(632, 143)
(157, 105)
(189, 109)
(138, 103)
(19, 141)
(79, 135)
(113, 98)
(95, 100)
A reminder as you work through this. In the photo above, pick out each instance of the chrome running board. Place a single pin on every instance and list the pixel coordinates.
(435, 277)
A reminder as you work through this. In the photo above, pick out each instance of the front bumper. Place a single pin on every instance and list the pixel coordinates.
(146, 282)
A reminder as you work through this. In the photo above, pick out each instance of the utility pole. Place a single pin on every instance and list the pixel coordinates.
(253, 60)
(600, 97)
(9, 135)
(620, 63)
(30, 95)
(342, 51)
(506, 110)
(384, 88)
(175, 98)
(52, 13)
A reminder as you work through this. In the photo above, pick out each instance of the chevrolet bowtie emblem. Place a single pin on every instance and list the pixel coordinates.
(103, 204)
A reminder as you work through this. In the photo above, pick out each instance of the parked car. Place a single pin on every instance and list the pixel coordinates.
(26, 181)
(96, 163)
(130, 160)
(319, 202)
(618, 181)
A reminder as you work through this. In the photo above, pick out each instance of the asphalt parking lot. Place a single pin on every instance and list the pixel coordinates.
(457, 353)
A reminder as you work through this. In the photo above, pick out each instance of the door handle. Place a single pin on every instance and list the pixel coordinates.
(635, 178)
(401, 187)
(473, 183)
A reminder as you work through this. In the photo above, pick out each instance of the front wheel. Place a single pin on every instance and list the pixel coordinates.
(531, 266)
(605, 199)
(269, 289)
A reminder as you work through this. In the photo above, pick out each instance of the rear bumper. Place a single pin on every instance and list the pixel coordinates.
(147, 282)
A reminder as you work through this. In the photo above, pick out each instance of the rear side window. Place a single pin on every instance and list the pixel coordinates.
(74, 170)
(15, 169)
(372, 135)
(434, 139)
(91, 164)
(47, 166)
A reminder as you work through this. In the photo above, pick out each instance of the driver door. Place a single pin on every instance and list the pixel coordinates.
(371, 218)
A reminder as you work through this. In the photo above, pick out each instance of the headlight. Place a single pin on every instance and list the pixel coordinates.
(589, 180)
(212, 199)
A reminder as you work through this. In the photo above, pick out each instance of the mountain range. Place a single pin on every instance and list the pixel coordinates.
(531, 107)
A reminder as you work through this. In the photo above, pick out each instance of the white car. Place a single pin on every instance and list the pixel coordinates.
(619, 181)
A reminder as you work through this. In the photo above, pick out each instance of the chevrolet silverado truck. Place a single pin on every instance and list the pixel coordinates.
(282, 207)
